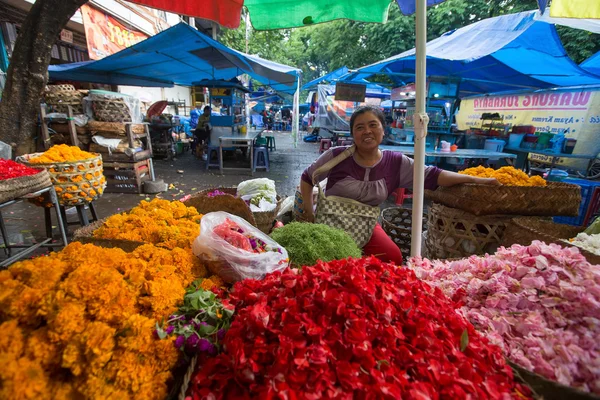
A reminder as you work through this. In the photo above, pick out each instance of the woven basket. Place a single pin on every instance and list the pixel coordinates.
(185, 381)
(85, 235)
(555, 199)
(265, 219)
(116, 128)
(397, 223)
(525, 230)
(453, 233)
(12, 188)
(227, 203)
(547, 389)
(75, 182)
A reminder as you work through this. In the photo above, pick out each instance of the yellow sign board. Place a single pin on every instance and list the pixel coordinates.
(574, 113)
(220, 91)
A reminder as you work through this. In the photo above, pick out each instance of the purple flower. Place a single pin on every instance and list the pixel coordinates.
(221, 333)
(169, 329)
(197, 325)
(191, 343)
(180, 341)
(207, 346)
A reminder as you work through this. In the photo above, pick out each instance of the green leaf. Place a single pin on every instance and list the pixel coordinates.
(464, 340)
(160, 332)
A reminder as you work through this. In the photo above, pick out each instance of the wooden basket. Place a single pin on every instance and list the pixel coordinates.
(227, 203)
(75, 182)
(397, 223)
(549, 390)
(555, 199)
(85, 235)
(453, 233)
(12, 188)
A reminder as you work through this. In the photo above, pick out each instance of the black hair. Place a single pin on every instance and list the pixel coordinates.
(207, 108)
(365, 109)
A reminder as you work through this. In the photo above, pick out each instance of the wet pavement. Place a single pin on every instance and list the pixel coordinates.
(185, 175)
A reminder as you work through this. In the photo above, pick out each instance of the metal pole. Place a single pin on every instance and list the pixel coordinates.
(296, 116)
(214, 30)
(420, 122)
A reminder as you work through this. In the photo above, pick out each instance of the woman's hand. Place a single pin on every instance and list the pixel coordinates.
(487, 181)
(307, 216)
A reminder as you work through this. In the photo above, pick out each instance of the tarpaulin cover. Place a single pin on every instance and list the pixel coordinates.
(180, 55)
(335, 114)
(592, 64)
(575, 8)
(225, 12)
(503, 53)
(340, 74)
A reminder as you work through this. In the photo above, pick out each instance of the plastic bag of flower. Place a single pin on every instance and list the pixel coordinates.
(235, 250)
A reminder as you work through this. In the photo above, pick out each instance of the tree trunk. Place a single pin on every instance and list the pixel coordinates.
(28, 71)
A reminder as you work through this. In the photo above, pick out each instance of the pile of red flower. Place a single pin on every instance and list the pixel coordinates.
(355, 328)
(10, 169)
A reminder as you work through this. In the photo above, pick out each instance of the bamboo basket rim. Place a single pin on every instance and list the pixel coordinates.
(19, 186)
(25, 159)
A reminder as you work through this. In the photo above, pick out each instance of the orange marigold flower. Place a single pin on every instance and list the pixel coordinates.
(23, 379)
(62, 153)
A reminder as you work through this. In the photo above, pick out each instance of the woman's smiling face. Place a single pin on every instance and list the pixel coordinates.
(367, 131)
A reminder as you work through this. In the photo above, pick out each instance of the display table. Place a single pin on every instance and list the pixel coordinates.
(460, 153)
(241, 140)
(45, 243)
(522, 156)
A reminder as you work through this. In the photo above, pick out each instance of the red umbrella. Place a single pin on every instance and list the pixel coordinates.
(156, 109)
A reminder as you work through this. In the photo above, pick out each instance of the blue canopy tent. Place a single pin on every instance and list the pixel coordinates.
(342, 74)
(516, 51)
(592, 64)
(180, 55)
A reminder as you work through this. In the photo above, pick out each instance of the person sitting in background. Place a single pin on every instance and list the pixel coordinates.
(202, 133)
(369, 175)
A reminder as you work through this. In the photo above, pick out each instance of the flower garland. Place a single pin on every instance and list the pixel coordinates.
(539, 303)
(354, 328)
(506, 175)
(80, 322)
(10, 169)
(168, 224)
(62, 153)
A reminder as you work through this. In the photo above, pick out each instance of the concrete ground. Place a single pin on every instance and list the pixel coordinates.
(185, 175)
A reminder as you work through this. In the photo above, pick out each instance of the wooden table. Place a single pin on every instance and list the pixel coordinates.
(241, 140)
(460, 153)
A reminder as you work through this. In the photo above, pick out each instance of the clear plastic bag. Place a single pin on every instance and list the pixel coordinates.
(225, 254)
(260, 193)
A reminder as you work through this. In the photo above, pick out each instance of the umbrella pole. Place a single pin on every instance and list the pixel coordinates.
(420, 123)
(296, 117)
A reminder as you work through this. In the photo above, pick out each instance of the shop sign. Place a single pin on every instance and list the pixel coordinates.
(66, 36)
(574, 113)
(220, 92)
(105, 35)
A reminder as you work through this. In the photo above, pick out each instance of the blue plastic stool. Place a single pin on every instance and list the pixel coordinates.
(271, 143)
(212, 149)
(261, 154)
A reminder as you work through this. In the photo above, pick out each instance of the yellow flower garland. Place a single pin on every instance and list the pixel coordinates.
(506, 175)
(91, 311)
(168, 224)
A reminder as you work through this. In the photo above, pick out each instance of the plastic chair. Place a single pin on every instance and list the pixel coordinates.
(209, 153)
(261, 154)
(260, 141)
(325, 145)
(400, 195)
(271, 143)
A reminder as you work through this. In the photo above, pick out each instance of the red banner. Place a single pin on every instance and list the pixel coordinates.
(105, 35)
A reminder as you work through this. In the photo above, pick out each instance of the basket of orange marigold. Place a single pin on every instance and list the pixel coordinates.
(518, 194)
(80, 323)
(77, 175)
(164, 223)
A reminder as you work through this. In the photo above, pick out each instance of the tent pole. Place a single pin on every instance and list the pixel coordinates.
(420, 122)
(296, 108)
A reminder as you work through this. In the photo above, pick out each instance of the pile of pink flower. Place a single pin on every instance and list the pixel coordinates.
(539, 303)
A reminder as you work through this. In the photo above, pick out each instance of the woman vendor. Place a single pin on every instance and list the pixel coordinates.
(370, 175)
